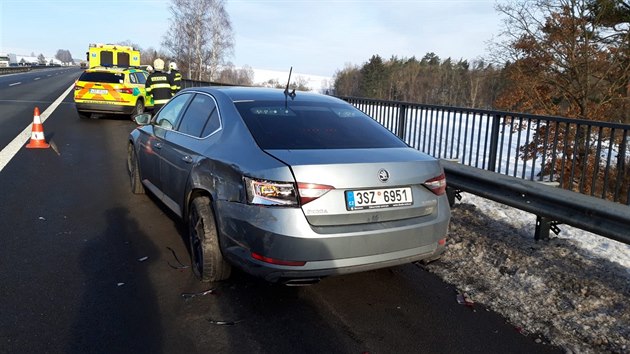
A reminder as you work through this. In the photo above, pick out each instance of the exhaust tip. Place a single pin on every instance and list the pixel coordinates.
(301, 282)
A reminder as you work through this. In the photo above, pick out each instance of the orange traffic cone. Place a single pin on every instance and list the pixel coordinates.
(37, 134)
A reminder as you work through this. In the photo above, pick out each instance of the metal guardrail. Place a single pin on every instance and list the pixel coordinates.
(551, 205)
(590, 157)
(14, 69)
(19, 69)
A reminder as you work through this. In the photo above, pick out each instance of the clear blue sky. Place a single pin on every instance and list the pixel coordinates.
(316, 37)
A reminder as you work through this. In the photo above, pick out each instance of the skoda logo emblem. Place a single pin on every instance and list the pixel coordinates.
(383, 175)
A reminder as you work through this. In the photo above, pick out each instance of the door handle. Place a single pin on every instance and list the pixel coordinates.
(187, 159)
(157, 145)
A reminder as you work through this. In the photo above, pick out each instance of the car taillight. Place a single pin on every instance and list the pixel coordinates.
(125, 90)
(310, 191)
(270, 192)
(437, 185)
(77, 87)
(283, 193)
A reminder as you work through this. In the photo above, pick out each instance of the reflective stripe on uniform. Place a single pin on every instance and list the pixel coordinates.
(161, 101)
(164, 85)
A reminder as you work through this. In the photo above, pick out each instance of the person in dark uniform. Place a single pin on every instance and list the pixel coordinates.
(160, 85)
(176, 75)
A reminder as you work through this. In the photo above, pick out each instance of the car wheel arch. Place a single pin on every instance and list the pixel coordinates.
(192, 194)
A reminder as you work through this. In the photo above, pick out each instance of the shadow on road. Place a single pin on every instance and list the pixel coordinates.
(118, 311)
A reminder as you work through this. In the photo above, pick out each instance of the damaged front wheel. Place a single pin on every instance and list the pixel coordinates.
(207, 260)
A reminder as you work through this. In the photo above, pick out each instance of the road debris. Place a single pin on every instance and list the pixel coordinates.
(224, 323)
(142, 259)
(464, 299)
(120, 284)
(181, 265)
(42, 218)
(202, 293)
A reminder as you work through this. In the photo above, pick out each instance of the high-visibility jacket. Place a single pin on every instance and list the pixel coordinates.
(177, 79)
(160, 85)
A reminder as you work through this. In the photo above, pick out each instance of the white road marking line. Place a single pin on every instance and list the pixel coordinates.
(37, 78)
(18, 142)
(15, 83)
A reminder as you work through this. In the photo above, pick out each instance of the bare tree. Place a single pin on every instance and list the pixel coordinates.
(236, 76)
(64, 56)
(347, 81)
(147, 56)
(300, 83)
(221, 37)
(563, 61)
(200, 36)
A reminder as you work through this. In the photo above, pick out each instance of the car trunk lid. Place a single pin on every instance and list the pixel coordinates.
(358, 173)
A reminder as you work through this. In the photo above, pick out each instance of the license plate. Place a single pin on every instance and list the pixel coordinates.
(98, 92)
(378, 198)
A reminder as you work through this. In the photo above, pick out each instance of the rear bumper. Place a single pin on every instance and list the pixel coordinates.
(284, 234)
(322, 269)
(104, 108)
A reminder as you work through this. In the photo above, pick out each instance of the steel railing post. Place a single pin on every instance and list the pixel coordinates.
(402, 121)
(494, 142)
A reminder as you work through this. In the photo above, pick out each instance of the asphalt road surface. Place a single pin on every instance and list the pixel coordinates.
(88, 267)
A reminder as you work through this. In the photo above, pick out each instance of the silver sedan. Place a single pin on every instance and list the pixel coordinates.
(288, 187)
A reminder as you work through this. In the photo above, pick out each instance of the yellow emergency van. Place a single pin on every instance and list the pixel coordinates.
(109, 55)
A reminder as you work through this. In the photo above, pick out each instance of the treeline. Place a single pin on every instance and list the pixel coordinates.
(430, 80)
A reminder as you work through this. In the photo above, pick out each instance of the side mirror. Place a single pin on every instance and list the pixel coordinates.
(142, 119)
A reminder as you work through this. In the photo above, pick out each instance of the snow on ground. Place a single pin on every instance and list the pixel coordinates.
(573, 290)
(316, 83)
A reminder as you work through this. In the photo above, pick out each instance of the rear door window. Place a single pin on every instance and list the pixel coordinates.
(213, 124)
(201, 118)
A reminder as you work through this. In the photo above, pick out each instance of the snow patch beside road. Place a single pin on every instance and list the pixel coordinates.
(573, 290)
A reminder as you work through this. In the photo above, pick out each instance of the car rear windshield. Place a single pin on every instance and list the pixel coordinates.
(313, 125)
(96, 76)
